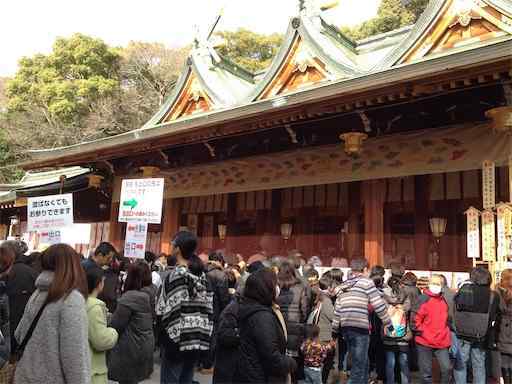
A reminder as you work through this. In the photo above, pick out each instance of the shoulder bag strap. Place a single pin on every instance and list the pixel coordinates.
(21, 348)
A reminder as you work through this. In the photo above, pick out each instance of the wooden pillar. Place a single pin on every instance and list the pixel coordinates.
(170, 223)
(374, 194)
(231, 232)
(354, 222)
(421, 230)
(115, 231)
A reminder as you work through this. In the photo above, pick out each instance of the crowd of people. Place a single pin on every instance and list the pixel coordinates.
(66, 319)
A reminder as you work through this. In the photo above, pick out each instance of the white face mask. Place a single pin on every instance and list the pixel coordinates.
(435, 289)
(278, 291)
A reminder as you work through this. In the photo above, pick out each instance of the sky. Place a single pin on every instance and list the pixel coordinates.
(31, 26)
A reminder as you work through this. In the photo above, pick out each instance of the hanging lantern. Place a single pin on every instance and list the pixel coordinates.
(286, 231)
(501, 118)
(353, 142)
(222, 229)
(95, 181)
(438, 227)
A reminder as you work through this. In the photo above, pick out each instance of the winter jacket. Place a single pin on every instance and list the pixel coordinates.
(132, 357)
(185, 309)
(21, 283)
(476, 299)
(228, 343)
(101, 339)
(219, 285)
(505, 324)
(295, 303)
(429, 321)
(402, 301)
(110, 291)
(353, 298)
(5, 337)
(449, 296)
(325, 319)
(262, 357)
(58, 351)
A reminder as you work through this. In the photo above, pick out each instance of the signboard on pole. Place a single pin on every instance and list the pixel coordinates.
(141, 201)
(504, 213)
(135, 242)
(49, 212)
(473, 233)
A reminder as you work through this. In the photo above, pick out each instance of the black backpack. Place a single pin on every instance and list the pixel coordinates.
(468, 323)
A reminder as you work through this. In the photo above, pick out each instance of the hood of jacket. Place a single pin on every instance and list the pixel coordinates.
(214, 265)
(249, 307)
(94, 302)
(195, 284)
(44, 280)
(137, 301)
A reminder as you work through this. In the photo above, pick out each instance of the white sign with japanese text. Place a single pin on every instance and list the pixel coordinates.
(141, 200)
(473, 233)
(135, 242)
(489, 184)
(49, 212)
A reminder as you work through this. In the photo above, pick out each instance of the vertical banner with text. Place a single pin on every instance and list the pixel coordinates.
(504, 213)
(473, 233)
(489, 184)
(488, 236)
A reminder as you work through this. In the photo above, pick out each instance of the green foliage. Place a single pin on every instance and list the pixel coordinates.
(250, 50)
(64, 84)
(391, 15)
(8, 173)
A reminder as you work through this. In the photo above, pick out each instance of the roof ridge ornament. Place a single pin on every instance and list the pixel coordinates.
(315, 7)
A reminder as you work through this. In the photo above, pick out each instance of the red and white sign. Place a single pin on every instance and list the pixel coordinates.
(50, 237)
(141, 200)
(49, 212)
(135, 242)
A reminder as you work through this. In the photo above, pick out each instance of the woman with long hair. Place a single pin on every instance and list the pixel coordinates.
(185, 311)
(505, 328)
(57, 351)
(262, 357)
(396, 344)
(131, 360)
(296, 301)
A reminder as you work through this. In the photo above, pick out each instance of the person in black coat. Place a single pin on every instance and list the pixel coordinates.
(296, 302)
(228, 343)
(20, 284)
(262, 357)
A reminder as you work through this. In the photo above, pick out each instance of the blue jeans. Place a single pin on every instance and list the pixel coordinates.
(477, 356)
(405, 375)
(312, 375)
(455, 354)
(425, 355)
(342, 355)
(357, 346)
(179, 369)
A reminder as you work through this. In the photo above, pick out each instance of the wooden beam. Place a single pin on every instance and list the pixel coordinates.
(373, 194)
(171, 223)
(353, 248)
(421, 230)
(115, 232)
(231, 232)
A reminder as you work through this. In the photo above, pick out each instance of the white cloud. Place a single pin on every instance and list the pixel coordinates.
(31, 26)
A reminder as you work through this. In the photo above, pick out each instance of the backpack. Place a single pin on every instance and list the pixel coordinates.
(468, 324)
(398, 320)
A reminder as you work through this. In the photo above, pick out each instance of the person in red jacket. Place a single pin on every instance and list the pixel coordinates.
(430, 324)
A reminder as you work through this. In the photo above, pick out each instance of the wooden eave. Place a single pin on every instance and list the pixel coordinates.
(492, 63)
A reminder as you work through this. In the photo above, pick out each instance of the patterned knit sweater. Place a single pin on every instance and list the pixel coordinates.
(353, 299)
(185, 305)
